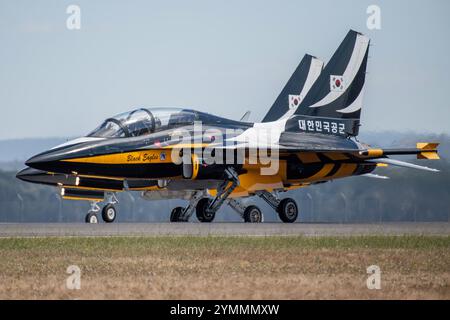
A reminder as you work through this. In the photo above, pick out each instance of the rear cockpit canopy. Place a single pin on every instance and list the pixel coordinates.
(144, 121)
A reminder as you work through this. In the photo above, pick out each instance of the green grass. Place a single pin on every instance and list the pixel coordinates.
(196, 267)
(213, 242)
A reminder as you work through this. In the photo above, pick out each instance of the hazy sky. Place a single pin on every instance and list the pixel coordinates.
(223, 57)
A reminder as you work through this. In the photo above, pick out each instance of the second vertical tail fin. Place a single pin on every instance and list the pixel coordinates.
(295, 89)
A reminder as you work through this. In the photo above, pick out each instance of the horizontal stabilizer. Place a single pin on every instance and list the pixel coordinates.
(428, 150)
(399, 163)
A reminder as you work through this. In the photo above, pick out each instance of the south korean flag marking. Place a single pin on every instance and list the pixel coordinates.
(337, 83)
(294, 101)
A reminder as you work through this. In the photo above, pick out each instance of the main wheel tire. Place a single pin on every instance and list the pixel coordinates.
(109, 213)
(253, 214)
(288, 210)
(175, 214)
(201, 213)
(91, 217)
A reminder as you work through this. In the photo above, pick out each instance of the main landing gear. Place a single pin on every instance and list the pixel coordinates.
(249, 214)
(108, 212)
(206, 208)
(287, 208)
(180, 214)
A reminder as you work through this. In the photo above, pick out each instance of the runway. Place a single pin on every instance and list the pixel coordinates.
(219, 229)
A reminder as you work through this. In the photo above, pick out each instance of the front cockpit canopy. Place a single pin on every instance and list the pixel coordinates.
(143, 121)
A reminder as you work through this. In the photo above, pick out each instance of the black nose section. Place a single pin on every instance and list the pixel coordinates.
(54, 159)
(42, 161)
(58, 160)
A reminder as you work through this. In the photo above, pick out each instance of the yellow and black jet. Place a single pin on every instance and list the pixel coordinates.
(307, 137)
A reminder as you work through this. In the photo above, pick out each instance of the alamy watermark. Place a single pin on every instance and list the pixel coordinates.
(374, 19)
(254, 146)
(73, 21)
(73, 282)
(374, 280)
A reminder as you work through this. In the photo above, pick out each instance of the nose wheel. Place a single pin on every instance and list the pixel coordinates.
(109, 213)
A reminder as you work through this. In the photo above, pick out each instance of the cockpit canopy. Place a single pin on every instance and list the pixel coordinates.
(144, 121)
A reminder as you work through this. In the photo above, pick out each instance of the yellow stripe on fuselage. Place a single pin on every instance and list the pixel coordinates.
(134, 157)
(322, 172)
(345, 170)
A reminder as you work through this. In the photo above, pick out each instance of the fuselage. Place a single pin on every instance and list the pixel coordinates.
(141, 146)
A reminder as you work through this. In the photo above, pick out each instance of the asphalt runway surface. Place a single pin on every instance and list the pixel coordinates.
(220, 229)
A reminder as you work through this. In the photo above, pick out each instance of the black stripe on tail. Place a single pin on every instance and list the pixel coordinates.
(333, 104)
(296, 88)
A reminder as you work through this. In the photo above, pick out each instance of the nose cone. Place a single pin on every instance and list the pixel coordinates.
(44, 161)
(53, 159)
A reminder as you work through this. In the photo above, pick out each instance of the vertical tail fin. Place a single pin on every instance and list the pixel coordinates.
(333, 104)
(295, 89)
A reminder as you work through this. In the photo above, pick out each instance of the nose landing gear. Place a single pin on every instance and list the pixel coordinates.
(109, 212)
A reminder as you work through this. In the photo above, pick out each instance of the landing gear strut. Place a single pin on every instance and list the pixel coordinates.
(287, 208)
(206, 208)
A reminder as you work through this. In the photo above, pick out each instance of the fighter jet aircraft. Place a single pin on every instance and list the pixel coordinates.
(308, 136)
